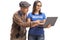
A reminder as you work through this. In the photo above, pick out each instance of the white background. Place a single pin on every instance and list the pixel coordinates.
(9, 7)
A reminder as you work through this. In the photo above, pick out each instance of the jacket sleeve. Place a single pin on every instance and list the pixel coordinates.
(17, 19)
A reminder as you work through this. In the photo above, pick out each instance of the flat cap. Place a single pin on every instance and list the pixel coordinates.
(24, 4)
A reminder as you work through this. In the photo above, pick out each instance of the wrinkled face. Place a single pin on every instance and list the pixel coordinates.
(25, 9)
(38, 6)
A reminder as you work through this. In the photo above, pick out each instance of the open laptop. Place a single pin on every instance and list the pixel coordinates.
(50, 20)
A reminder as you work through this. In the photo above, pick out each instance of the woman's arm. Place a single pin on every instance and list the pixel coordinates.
(48, 26)
(33, 23)
(42, 22)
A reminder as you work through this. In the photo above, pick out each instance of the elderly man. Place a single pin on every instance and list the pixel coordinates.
(18, 31)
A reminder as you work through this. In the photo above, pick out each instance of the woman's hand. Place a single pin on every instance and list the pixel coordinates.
(42, 22)
(37, 21)
(49, 26)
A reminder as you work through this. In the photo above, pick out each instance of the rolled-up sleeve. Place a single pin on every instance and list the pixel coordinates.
(44, 16)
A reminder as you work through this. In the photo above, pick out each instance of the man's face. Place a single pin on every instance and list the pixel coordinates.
(25, 9)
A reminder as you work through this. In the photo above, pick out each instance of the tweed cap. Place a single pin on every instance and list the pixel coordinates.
(24, 4)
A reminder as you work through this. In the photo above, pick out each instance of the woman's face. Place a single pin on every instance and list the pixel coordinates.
(38, 6)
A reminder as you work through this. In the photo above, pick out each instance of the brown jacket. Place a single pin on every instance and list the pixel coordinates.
(18, 26)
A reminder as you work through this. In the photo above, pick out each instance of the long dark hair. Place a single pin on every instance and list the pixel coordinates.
(34, 7)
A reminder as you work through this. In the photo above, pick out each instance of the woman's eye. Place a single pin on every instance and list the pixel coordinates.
(39, 5)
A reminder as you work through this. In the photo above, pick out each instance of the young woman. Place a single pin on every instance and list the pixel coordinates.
(36, 31)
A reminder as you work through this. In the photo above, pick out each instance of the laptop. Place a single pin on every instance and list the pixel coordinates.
(50, 20)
